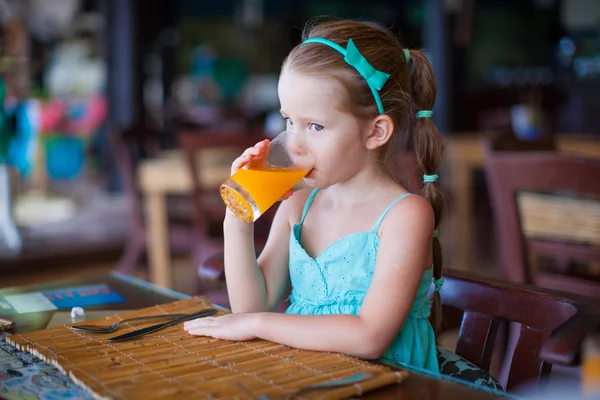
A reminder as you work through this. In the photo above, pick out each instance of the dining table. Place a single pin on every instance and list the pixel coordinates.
(26, 376)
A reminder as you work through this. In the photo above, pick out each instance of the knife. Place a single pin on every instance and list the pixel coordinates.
(154, 328)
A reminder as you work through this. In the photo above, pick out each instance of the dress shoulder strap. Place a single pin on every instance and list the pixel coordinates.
(308, 203)
(382, 216)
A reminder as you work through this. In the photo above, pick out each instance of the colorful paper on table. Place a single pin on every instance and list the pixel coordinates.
(84, 296)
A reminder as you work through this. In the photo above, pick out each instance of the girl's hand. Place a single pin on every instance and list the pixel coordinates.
(255, 157)
(227, 327)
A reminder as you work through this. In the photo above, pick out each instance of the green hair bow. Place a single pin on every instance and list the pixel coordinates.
(375, 78)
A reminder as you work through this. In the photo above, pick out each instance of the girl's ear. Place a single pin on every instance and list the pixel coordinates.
(381, 130)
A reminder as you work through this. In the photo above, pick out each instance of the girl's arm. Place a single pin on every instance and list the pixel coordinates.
(404, 252)
(257, 285)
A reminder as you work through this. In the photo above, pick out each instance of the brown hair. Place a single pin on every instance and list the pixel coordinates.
(404, 93)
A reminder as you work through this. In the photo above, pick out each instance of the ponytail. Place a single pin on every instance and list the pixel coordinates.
(428, 147)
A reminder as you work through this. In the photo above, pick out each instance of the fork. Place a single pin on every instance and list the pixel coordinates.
(112, 328)
(360, 377)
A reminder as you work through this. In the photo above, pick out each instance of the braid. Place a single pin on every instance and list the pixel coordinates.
(428, 147)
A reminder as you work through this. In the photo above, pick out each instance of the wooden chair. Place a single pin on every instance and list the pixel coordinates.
(544, 206)
(553, 324)
(209, 209)
(130, 146)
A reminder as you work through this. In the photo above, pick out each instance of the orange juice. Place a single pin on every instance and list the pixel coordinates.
(591, 365)
(250, 192)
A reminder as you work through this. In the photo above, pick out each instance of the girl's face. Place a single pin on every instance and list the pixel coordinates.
(311, 106)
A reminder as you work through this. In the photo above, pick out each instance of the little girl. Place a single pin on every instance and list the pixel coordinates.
(358, 250)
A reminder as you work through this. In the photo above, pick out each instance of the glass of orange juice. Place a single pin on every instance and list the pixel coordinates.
(253, 190)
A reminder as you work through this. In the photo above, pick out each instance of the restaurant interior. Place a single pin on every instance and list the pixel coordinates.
(121, 119)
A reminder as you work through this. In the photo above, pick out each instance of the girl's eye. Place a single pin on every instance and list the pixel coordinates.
(316, 127)
(288, 121)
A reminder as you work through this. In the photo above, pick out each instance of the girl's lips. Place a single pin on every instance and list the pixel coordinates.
(309, 173)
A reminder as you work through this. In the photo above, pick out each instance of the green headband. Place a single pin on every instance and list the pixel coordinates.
(375, 79)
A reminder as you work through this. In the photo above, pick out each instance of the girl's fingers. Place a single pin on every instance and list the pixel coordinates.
(259, 154)
(254, 156)
(205, 331)
(239, 162)
(262, 143)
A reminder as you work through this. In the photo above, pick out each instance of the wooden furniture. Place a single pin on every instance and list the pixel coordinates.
(464, 154)
(173, 364)
(484, 303)
(479, 305)
(165, 175)
(141, 294)
(131, 146)
(507, 141)
(545, 205)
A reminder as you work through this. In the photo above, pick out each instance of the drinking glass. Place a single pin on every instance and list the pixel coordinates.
(253, 190)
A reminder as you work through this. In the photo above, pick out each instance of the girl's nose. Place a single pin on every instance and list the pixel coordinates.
(296, 146)
(300, 152)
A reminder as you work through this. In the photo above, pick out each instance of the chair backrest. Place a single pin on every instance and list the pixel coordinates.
(507, 141)
(478, 305)
(544, 205)
(228, 146)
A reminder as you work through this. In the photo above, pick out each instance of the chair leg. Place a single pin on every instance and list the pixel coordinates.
(132, 254)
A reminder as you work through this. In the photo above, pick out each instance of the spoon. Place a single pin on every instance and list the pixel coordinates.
(112, 328)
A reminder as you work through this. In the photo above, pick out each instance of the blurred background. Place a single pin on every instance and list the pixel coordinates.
(104, 102)
(97, 93)
(79, 73)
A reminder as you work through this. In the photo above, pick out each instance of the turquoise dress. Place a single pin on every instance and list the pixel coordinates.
(337, 280)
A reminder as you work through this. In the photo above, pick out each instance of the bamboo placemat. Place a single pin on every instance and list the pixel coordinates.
(171, 363)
